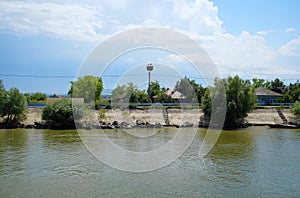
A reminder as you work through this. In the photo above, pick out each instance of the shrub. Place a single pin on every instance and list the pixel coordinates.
(296, 109)
(61, 113)
(240, 99)
(14, 106)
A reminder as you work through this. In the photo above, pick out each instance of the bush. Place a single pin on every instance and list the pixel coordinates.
(240, 99)
(14, 106)
(296, 109)
(61, 114)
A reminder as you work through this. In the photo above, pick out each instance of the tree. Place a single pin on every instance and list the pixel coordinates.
(122, 93)
(139, 96)
(3, 98)
(277, 86)
(61, 113)
(257, 82)
(14, 106)
(240, 96)
(296, 109)
(162, 97)
(292, 92)
(36, 97)
(187, 88)
(87, 87)
(190, 89)
(153, 90)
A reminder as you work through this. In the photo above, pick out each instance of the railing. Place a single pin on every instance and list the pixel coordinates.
(151, 104)
(36, 104)
(278, 104)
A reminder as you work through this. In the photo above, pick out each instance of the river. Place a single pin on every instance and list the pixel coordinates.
(252, 162)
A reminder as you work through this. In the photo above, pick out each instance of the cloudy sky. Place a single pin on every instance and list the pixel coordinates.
(44, 43)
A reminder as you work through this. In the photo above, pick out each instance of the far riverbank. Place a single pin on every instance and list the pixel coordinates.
(156, 118)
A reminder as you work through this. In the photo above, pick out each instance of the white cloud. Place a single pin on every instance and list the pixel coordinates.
(263, 33)
(289, 30)
(245, 54)
(200, 16)
(71, 21)
(292, 48)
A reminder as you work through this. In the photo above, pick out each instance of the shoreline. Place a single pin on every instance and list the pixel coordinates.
(152, 118)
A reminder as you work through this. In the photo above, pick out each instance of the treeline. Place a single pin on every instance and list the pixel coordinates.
(240, 97)
(291, 92)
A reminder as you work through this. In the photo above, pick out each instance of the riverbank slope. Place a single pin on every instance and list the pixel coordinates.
(160, 117)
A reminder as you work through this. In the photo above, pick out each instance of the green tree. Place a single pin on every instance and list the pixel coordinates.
(187, 88)
(292, 92)
(153, 90)
(61, 113)
(277, 86)
(162, 97)
(122, 93)
(139, 96)
(15, 106)
(3, 98)
(87, 87)
(36, 97)
(240, 99)
(190, 89)
(296, 109)
(257, 82)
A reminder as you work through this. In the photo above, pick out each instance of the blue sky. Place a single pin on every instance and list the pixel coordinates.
(52, 38)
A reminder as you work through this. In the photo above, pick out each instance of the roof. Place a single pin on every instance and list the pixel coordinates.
(261, 91)
(175, 94)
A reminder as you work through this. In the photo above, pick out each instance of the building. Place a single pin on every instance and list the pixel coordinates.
(266, 96)
(175, 94)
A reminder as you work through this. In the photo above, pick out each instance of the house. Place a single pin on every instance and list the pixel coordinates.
(175, 94)
(266, 96)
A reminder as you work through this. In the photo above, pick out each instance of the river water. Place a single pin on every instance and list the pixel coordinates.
(252, 162)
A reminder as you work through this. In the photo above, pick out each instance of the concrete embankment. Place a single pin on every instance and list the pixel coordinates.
(160, 117)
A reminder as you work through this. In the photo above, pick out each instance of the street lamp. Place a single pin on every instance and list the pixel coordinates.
(149, 69)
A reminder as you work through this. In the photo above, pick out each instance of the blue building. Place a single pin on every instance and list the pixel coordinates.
(266, 96)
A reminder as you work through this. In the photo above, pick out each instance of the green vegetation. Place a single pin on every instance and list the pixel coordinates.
(190, 89)
(102, 114)
(291, 92)
(37, 97)
(122, 94)
(87, 87)
(62, 114)
(240, 99)
(13, 105)
(240, 95)
(296, 109)
(153, 90)
(139, 96)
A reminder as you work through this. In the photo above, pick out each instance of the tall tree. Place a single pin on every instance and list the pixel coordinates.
(139, 96)
(277, 86)
(122, 93)
(296, 109)
(154, 89)
(292, 92)
(240, 96)
(87, 87)
(190, 89)
(257, 82)
(14, 106)
(3, 98)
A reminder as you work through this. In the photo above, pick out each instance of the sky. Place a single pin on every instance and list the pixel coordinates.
(43, 44)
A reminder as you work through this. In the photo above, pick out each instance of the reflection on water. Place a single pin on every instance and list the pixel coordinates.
(253, 162)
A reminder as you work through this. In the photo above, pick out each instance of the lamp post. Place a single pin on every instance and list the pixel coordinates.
(149, 69)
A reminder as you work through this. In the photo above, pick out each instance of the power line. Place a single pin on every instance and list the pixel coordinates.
(118, 76)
